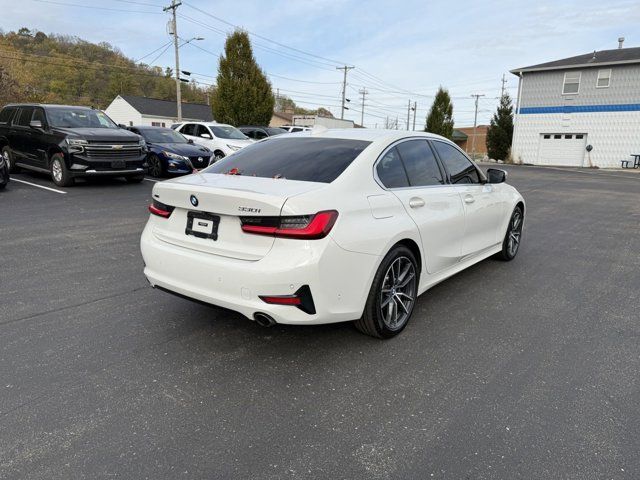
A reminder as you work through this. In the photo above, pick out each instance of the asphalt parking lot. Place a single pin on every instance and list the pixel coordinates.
(526, 369)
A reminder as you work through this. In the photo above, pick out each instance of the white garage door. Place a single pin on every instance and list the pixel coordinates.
(563, 149)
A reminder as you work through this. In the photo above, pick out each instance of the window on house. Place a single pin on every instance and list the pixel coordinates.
(579, 137)
(604, 78)
(557, 137)
(571, 83)
(156, 124)
(547, 137)
(568, 137)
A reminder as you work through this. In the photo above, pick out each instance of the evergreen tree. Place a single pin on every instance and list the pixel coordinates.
(243, 94)
(440, 117)
(500, 132)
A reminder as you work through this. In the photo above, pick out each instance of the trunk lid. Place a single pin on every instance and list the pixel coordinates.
(229, 197)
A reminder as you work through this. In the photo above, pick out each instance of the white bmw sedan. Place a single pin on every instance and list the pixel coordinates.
(329, 226)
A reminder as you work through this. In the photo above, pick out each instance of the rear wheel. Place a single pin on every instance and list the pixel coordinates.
(392, 296)
(8, 158)
(59, 173)
(511, 242)
(218, 155)
(156, 168)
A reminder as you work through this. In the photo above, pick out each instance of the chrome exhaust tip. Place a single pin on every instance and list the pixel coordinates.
(263, 319)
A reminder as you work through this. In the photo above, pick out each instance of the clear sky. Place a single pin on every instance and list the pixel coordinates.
(401, 50)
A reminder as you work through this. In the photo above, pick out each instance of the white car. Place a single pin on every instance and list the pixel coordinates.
(329, 226)
(220, 138)
(295, 128)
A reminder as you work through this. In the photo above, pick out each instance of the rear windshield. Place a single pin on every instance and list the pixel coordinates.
(306, 159)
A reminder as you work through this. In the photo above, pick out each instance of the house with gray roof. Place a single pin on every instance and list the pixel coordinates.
(134, 110)
(581, 111)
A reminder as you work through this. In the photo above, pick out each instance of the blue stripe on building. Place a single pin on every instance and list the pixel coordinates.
(630, 107)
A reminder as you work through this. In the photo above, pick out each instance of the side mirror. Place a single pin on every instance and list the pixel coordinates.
(35, 124)
(495, 175)
(190, 140)
(205, 135)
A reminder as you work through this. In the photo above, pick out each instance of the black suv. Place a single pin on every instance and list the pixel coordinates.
(69, 142)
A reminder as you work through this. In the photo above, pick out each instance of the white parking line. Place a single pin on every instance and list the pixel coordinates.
(36, 185)
(151, 180)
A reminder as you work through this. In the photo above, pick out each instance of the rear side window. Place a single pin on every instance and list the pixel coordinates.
(459, 166)
(390, 170)
(6, 115)
(420, 163)
(23, 119)
(306, 159)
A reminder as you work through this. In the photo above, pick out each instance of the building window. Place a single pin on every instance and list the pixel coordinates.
(547, 137)
(130, 123)
(568, 137)
(155, 124)
(604, 78)
(557, 137)
(579, 137)
(571, 83)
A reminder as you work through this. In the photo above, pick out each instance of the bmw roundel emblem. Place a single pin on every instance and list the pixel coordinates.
(194, 200)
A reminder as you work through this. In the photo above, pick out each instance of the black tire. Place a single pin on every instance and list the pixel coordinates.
(513, 237)
(218, 155)
(156, 167)
(59, 173)
(134, 179)
(384, 298)
(8, 157)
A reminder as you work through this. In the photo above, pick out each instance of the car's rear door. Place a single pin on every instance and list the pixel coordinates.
(20, 135)
(411, 171)
(483, 204)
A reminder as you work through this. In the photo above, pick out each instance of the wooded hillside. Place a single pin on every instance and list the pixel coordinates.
(35, 67)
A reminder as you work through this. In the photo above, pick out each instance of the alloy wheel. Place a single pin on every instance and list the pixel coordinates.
(7, 159)
(155, 167)
(56, 169)
(515, 233)
(398, 293)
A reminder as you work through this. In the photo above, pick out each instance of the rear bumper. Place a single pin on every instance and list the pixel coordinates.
(339, 280)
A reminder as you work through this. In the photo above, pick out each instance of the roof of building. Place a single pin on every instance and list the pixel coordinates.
(593, 59)
(168, 109)
(458, 135)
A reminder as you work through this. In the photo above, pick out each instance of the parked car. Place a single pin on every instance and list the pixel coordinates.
(4, 171)
(220, 138)
(327, 227)
(170, 152)
(258, 133)
(295, 128)
(69, 142)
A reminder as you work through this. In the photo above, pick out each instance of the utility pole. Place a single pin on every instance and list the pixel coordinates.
(344, 88)
(415, 109)
(362, 92)
(408, 113)
(475, 121)
(504, 82)
(173, 7)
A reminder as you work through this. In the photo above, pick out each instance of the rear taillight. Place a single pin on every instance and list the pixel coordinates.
(306, 227)
(160, 209)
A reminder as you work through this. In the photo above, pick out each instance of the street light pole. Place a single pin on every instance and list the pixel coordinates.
(173, 7)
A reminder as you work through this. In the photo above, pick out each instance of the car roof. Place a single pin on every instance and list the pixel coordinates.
(367, 134)
(48, 105)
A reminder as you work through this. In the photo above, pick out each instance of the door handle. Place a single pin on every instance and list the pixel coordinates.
(469, 199)
(416, 202)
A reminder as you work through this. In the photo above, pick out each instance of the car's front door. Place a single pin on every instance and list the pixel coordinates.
(410, 170)
(37, 147)
(483, 204)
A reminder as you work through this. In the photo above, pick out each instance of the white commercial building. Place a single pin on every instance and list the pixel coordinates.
(581, 111)
(132, 110)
